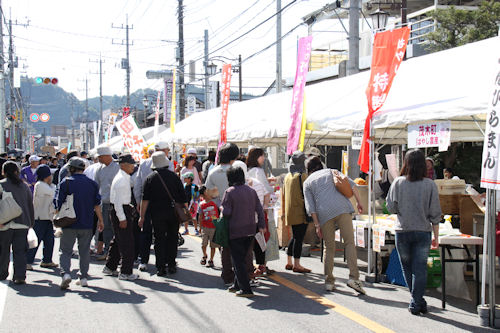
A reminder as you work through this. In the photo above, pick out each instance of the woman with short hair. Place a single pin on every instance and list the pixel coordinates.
(414, 198)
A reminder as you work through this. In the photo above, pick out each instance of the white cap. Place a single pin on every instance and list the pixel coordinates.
(160, 145)
(34, 158)
(191, 151)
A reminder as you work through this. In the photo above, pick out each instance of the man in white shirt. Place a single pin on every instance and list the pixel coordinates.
(122, 218)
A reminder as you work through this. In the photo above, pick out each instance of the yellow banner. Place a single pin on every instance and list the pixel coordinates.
(174, 104)
(303, 126)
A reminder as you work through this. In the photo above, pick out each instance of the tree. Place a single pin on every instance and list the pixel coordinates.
(457, 27)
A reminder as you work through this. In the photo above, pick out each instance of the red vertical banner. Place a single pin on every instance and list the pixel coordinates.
(226, 91)
(389, 48)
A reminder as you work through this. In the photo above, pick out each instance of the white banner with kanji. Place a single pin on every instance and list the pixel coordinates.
(435, 134)
(490, 172)
(132, 138)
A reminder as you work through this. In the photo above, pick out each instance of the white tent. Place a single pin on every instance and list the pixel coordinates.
(448, 85)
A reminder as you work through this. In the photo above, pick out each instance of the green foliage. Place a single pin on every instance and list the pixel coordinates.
(458, 27)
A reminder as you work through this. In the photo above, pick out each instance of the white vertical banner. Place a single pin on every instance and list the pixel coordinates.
(490, 172)
(157, 118)
(96, 134)
(132, 138)
(99, 125)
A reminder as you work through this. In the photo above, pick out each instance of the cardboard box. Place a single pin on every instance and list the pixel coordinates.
(450, 186)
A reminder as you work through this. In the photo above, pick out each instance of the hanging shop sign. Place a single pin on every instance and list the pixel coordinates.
(435, 134)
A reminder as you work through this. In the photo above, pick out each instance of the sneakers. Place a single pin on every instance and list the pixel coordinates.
(29, 267)
(356, 285)
(82, 282)
(186, 232)
(232, 289)
(66, 280)
(161, 272)
(330, 287)
(128, 277)
(108, 271)
(143, 267)
(19, 281)
(203, 261)
(246, 294)
(172, 269)
(48, 265)
(196, 232)
(210, 264)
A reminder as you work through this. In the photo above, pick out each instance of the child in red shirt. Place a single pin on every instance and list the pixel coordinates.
(208, 212)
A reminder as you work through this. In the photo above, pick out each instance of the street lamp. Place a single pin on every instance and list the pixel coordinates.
(379, 19)
(211, 69)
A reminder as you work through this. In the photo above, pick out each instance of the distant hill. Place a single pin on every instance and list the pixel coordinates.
(59, 104)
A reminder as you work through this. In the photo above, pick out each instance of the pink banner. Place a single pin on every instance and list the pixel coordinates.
(303, 57)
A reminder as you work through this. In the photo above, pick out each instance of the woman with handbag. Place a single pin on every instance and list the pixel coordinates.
(164, 194)
(294, 211)
(14, 233)
(326, 194)
(44, 212)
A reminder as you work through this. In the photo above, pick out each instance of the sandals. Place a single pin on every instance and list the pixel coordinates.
(203, 261)
(289, 267)
(210, 264)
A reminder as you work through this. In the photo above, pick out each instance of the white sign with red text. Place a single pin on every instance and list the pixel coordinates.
(437, 134)
(132, 137)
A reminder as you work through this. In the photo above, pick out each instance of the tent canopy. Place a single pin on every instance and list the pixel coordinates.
(449, 85)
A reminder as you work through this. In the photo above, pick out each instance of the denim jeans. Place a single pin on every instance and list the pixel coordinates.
(45, 232)
(413, 248)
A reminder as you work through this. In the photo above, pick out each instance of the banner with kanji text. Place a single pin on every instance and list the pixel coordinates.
(389, 48)
(490, 170)
(157, 117)
(132, 138)
(173, 110)
(225, 96)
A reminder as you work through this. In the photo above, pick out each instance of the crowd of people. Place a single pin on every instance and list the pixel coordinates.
(120, 207)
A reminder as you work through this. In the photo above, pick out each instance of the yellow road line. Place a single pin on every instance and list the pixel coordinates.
(352, 315)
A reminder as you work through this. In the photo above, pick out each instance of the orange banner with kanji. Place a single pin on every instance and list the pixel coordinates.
(225, 95)
(389, 48)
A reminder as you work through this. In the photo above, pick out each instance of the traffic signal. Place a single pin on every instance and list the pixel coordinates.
(46, 80)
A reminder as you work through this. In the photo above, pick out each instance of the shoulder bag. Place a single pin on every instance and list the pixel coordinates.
(181, 211)
(66, 216)
(342, 184)
(308, 217)
(9, 209)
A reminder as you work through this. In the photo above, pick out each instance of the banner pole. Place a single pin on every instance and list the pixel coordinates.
(371, 217)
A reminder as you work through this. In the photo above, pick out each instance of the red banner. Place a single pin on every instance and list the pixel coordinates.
(389, 49)
(225, 94)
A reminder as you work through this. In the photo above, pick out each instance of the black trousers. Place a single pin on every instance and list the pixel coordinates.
(295, 244)
(122, 246)
(166, 231)
(227, 266)
(260, 256)
(146, 239)
(17, 239)
(239, 250)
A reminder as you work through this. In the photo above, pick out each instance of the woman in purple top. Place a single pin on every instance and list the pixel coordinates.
(239, 205)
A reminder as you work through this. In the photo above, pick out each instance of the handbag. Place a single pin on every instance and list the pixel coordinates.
(342, 184)
(221, 236)
(66, 216)
(9, 209)
(309, 219)
(181, 212)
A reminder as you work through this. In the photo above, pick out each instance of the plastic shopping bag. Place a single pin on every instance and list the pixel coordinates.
(32, 239)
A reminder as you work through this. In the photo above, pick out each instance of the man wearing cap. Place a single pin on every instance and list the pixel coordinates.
(122, 218)
(64, 171)
(146, 236)
(28, 172)
(104, 177)
(164, 221)
(86, 200)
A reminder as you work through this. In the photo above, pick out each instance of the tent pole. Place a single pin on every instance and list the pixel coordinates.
(371, 217)
(491, 196)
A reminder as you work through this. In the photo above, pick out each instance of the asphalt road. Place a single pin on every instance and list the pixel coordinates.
(195, 300)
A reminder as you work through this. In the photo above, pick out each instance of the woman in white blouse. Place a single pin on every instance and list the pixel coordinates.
(255, 163)
(44, 212)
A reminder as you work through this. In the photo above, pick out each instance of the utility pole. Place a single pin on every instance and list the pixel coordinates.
(279, 73)
(13, 135)
(125, 62)
(100, 61)
(240, 79)
(207, 81)
(2, 87)
(353, 61)
(182, 99)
